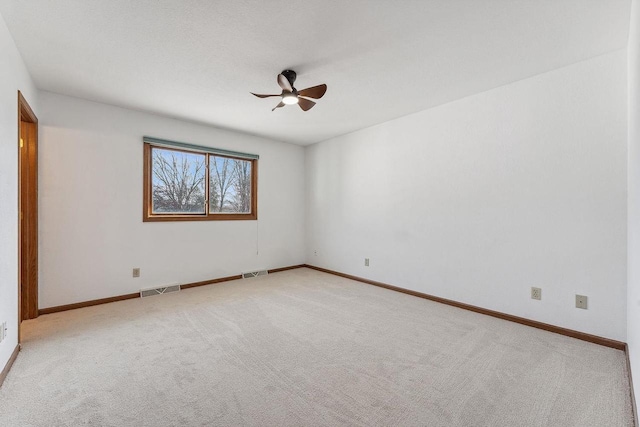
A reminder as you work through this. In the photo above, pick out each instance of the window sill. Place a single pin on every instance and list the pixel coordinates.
(213, 217)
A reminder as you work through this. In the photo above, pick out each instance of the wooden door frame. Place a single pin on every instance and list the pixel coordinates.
(27, 212)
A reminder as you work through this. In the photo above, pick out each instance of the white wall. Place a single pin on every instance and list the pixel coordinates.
(480, 199)
(633, 296)
(91, 229)
(13, 77)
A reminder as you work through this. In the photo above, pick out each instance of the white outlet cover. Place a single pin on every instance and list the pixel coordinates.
(536, 293)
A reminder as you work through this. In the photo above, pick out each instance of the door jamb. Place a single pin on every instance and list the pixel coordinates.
(27, 144)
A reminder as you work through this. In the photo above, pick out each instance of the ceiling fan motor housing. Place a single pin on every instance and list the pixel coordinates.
(290, 75)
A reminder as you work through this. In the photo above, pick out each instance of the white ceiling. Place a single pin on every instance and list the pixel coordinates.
(197, 59)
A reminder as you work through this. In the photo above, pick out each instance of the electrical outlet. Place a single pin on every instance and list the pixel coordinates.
(581, 301)
(366, 262)
(136, 272)
(536, 293)
(3, 331)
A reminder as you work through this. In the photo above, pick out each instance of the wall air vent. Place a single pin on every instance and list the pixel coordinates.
(159, 290)
(255, 274)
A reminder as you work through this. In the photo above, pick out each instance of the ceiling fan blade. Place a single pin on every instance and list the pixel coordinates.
(284, 83)
(262, 96)
(305, 104)
(278, 106)
(315, 92)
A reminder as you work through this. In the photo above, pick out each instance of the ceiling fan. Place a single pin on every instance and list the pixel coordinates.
(290, 95)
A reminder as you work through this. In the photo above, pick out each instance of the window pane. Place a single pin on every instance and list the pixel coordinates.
(230, 185)
(178, 180)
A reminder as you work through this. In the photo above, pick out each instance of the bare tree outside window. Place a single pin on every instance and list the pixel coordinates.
(220, 183)
(229, 185)
(242, 196)
(178, 181)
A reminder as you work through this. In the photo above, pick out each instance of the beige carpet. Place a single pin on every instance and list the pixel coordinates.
(304, 348)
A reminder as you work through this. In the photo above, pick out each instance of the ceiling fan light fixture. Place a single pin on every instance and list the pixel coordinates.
(289, 98)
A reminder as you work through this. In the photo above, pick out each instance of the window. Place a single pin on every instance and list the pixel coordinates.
(184, 182)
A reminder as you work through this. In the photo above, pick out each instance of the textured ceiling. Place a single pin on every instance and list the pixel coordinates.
(198, 60)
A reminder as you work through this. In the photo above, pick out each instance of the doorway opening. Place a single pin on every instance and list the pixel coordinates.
(27, 212)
